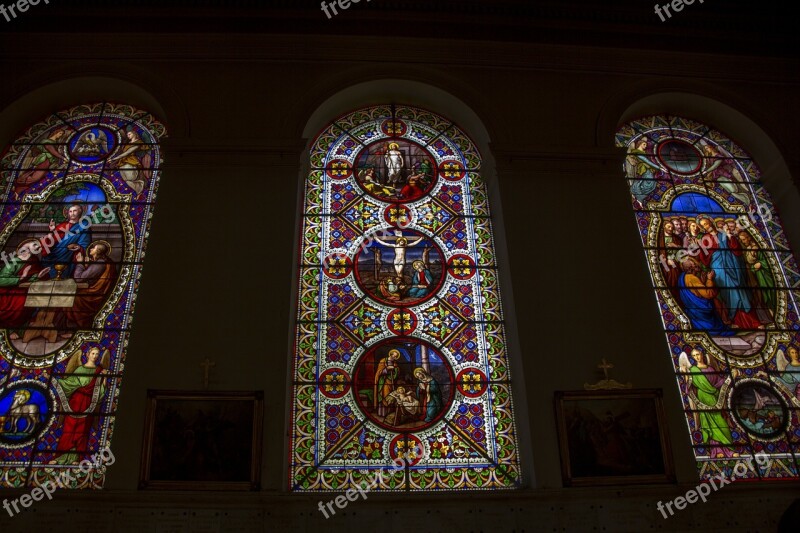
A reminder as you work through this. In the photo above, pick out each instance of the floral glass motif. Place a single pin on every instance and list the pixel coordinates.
(400, 355)
(726, 283)
(78, 194)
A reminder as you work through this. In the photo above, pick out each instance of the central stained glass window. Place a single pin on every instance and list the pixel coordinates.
(401, 378)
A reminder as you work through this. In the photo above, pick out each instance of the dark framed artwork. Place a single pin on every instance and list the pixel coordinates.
(613, 437)
(202, 440)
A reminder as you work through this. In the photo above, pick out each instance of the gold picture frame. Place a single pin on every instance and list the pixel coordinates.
(202, 440)
(613, 437)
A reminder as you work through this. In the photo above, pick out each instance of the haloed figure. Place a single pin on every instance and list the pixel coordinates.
(790, 370)
(640, 171)
(394, 164)
(707, 384)
(43, 158)
(134, 161)
(65, 239)
(83, 389)
(723, 170)
(98, 272)
(385, 378)
(400, 245)
(429, 393)
(724, 259)
(421, 281)
(760, 276)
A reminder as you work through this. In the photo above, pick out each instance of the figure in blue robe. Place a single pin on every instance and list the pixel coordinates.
(421, 281)
(65, 240)
(730, 271)
(731, 274)
(641, 170)
(429, 394)
(698, 302)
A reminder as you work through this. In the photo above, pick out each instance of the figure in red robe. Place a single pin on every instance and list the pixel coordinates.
(412, 190)
(721, 252)
(23, 268)
(83, 388)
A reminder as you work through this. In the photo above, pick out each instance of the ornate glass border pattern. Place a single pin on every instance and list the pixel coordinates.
(401, 378)
(727, 289)
(78, 195)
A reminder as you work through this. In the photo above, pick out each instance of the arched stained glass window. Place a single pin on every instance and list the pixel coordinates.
(727, 288)
(401, 378)
(78, 193)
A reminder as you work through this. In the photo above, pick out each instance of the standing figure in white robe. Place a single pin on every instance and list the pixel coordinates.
(394, 164)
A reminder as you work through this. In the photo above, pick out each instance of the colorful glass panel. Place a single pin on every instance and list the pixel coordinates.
(78, 194)
(727, 289)
(401, 379)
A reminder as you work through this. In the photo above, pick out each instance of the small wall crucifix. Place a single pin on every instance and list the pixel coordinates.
(607, 382)
(605, 366)
(207, 365)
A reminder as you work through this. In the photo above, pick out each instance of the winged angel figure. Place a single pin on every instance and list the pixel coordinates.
(80, 392)
(45, 156)
(789, 373)
(706, 390)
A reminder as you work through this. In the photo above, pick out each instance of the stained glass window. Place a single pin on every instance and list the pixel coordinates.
(401, 378)
(727, 289)
(78, 193)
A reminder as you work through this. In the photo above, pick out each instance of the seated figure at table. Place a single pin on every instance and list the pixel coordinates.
(65, 240)
(98, 271)
(24, 267)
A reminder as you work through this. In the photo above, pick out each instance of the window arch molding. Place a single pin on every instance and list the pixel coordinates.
(403, 91)
(57, 89)
(745, 131)
(423, 95)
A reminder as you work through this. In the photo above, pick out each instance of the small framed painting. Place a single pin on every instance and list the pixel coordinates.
(202, 440)
(613, 437)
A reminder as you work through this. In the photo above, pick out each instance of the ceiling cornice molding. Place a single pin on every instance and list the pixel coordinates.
(59, 48)
(732, 26)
